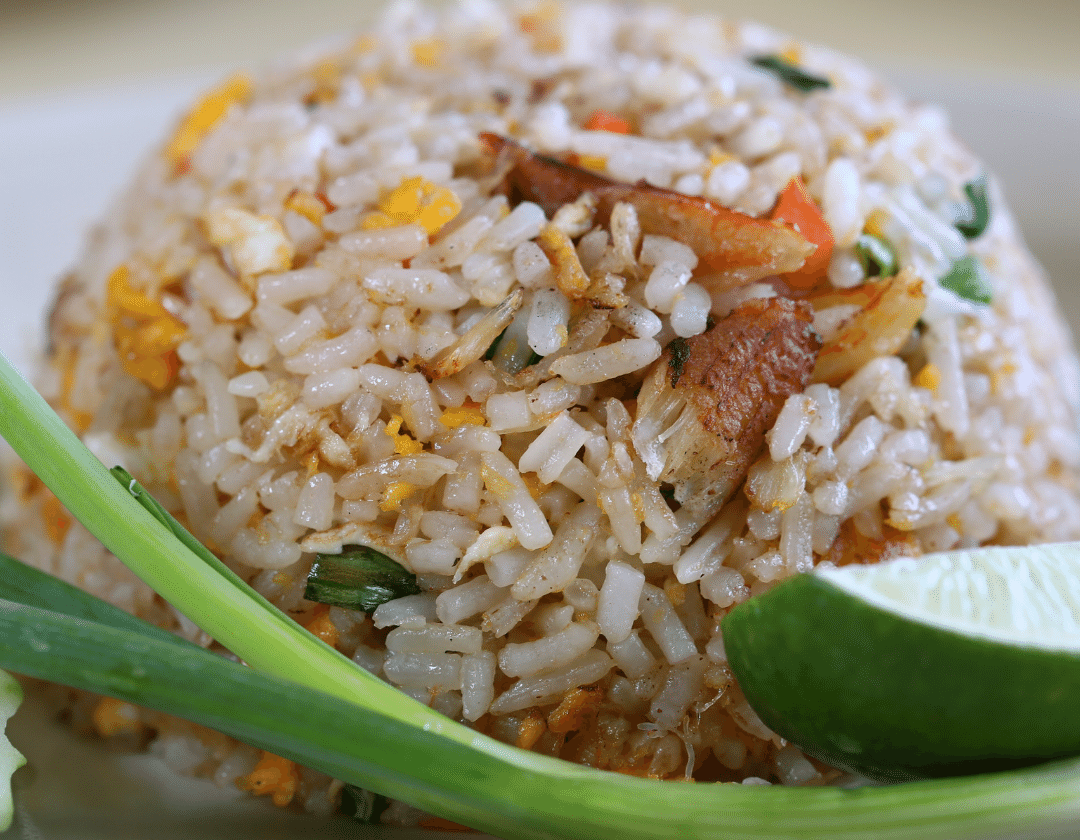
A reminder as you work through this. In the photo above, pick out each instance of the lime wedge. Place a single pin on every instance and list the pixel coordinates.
(961, 662)
(10, 758)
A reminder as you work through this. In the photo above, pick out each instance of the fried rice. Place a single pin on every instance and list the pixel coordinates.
(592, 321)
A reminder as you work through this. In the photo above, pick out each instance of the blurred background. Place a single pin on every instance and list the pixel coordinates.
(86, 86)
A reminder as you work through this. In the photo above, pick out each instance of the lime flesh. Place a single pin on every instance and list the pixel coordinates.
(955, 663)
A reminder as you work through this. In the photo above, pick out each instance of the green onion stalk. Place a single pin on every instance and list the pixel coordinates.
(299, 698)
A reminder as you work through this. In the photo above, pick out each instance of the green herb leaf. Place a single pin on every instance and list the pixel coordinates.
(967, 278)
(33, 587)
(361, 805)
(680, 352)
(976, 216)
(360, 578)
(10, 758)
(494, 346)
(877, 256)
(789, 73)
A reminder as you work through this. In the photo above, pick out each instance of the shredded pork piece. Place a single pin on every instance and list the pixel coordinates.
(704, 408)
(738, 248)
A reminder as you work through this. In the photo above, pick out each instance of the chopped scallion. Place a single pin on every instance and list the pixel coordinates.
(490, 354)
(876, 255)
(359, 578)
(680, 352)
(967, 279)
(790, 74)
(362, 805)
(976, 216)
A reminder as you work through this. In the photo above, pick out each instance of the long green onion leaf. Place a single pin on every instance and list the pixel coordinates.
(506, 791)
(341, 720)
(33, 587)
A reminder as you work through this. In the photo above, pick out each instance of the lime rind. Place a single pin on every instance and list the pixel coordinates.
(871, 691)
(11, 759)
(1027, 596)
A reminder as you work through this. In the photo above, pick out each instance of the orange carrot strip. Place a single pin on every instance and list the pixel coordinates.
(797, 209)
(601, 120)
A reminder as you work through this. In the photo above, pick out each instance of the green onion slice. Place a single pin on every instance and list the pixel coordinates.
(680, 352)
(362, 805)
(360, 578)
(967, 278)
(976, 216)
(790, 74)
(877, 256)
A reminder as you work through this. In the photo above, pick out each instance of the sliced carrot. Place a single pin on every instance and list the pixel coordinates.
(796, 209)
(606, 121)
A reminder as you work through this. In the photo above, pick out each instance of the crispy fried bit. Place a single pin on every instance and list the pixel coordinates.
(321, 626)
(273, 775)
(532, 727)
(575, 709)
(852, 547)
(476, 341)
(738, 248)
(701, 423)
(570, 277)
(115, 717)
(890, 310)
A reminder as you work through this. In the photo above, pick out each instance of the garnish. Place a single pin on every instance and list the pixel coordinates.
(967, 279)
(442, 767)
(790, 74)
(361, 805)
(600, 120)
(10, 758)
(974, 218)
(303, 701)
(877, 256)
(797, 209)
(489, 354)
(680, 352)
(360, 578)
(960, 662)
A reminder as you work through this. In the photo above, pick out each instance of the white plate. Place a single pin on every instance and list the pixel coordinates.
(60, 163)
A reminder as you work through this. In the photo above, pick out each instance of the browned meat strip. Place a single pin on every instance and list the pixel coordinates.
(704, 409)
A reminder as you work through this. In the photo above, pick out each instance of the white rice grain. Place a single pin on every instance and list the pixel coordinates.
(527, 658)
(632, 656)
(507, 488)
(607, 362)
(477, 684)
(552, 569)
(617, 607)
(663, 623)
(315, 506)
(547, 687)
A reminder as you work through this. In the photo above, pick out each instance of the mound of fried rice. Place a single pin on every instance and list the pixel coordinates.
(432, 292)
